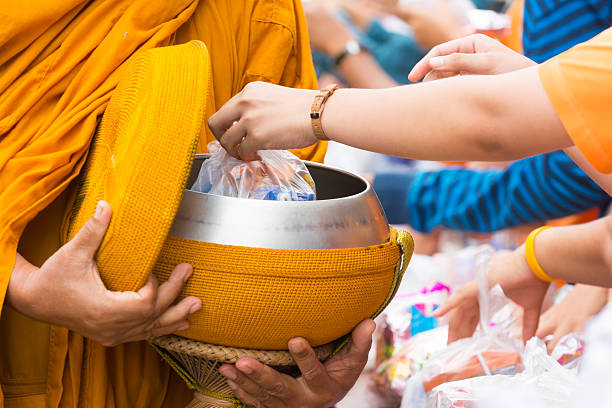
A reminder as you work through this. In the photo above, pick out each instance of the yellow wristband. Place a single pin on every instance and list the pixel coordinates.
(531, 258)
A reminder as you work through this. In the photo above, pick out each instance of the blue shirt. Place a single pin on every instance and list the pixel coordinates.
(535, 189)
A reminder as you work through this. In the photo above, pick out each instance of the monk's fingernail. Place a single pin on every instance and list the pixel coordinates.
(244, 367)
(228, 373)
(188, 273)
(297, 346)
(371, 327)
(232, 385)
(436, 62)
(195, 308)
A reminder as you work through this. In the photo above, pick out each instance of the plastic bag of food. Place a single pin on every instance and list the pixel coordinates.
(392, 375)
(569, 350)
(279, 175)
(544, 383)
(491, 350)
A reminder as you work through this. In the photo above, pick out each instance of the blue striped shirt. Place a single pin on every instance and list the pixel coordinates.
(535, 189)
(553, 26)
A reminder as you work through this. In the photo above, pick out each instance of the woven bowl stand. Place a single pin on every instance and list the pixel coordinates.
(198, 364)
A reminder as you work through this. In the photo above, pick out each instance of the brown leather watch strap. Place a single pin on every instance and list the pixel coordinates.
(316, 110)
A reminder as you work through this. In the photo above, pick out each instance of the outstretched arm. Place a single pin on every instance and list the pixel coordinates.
(494, 117)
(577, 253)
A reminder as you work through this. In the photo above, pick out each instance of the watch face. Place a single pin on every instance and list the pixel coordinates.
(353, 47)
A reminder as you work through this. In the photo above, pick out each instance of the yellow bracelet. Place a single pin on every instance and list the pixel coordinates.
(531, 258)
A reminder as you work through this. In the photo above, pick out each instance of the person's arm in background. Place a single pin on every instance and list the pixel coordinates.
(577, 253)
(530, 190)
(330, 36)
(432, 24)
(396, 52)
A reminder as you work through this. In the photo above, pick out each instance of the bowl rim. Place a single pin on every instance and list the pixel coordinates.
(368, 186)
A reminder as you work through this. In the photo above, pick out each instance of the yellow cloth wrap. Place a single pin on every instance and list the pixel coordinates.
(137, 165)
(59, 65)
(260, 298)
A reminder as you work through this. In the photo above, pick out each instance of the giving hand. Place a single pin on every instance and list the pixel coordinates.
(474, 54)
(263, 117)
(571, 314)
(511, 271)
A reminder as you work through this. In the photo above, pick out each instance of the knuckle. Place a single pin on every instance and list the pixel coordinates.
(455, 59)
(311, 372)
(278, 389)
(248, 119)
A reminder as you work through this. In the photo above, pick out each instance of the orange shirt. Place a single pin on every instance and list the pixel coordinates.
(579, 86)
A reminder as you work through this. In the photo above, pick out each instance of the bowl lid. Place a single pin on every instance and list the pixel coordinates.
(141, 156)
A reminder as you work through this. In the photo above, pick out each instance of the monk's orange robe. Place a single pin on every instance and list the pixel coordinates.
(59, 63)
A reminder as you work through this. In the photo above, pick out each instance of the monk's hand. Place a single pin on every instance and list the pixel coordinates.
(474, 54)
(263, 117)
(67, 291)
(320, 386)
(511, 271)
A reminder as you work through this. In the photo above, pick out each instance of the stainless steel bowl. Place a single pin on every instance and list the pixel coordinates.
(346, 214)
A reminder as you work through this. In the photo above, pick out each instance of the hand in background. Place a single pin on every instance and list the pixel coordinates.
(513, 274)
(67, 291)
(320, 386)
(474, 54)
(327, 33)
(571, 314)
(431, 25)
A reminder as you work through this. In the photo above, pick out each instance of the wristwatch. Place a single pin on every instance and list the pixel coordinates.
(352, 47)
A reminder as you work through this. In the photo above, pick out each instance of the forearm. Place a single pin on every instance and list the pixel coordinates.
(362, 71)
(496, 117)
(579, 253)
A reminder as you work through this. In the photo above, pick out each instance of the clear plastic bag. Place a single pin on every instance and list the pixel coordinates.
(491, 350)
(544, 383)
(279, 175)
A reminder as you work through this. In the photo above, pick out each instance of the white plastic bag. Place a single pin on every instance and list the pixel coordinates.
(280, 176)
(543, 384)
(491, 350)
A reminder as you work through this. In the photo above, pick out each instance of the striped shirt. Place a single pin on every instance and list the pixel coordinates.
(553, 26)
(536, 189)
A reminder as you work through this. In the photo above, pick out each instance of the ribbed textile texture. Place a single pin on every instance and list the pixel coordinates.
(138, 164)
(260, 298)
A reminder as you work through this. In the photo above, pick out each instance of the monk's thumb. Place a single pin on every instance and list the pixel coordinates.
(90, 236)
